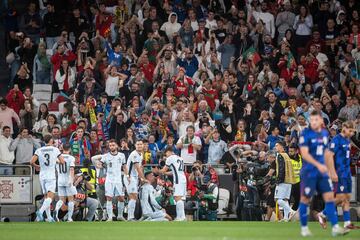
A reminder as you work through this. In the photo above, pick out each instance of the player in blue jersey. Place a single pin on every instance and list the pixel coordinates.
(341, 177)
(314, 173)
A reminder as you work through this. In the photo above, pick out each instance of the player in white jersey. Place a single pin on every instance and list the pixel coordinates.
(48, 156)
(176, 164)
(151, 210)
(114, 161)
(66, 188)
(135, 172)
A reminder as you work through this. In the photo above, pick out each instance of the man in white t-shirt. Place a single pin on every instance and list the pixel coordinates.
(189, 145)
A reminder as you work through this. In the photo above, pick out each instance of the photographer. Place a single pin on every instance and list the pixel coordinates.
(208, 197)
(81, 198)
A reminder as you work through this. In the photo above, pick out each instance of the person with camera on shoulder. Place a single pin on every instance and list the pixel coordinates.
(82, 200)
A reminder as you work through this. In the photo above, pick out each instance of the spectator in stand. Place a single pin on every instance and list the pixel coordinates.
(31, 23)
(42, 66)
(24, 145)
(7, 157)
(189, 145)
(8, 115)
(303, 25)
(217, 147)
(52, 24)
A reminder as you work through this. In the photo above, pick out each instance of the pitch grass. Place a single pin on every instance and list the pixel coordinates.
(162, 230)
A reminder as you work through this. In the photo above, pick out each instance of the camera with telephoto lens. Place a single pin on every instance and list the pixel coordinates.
(86, 176)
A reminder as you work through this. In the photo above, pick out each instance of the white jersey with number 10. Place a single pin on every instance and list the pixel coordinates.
(64, 170)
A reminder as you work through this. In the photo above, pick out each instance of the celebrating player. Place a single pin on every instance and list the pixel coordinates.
(48, 156)
(113, 161)
(340, 156)
(176, 165)
(314, 174)
(66, 188)
(135, 172)
(151, 210)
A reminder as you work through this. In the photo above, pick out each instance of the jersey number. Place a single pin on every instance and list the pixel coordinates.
(320, 150)
(63, 168)
(181, 165)
(47, 159)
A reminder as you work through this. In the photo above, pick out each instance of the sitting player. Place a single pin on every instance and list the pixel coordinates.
(151, 210)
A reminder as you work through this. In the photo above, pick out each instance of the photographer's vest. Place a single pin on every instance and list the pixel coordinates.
(92, 181)
(289, 172)
(214, 203)
(296, 165)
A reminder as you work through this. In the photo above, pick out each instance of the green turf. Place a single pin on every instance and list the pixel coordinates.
(161, 230)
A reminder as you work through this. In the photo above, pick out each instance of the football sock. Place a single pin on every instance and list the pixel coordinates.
(285, 205)
(70, 209)
(131, 209)
(303, 214)
(58, 206)
(346, 218)
(331, 213)
(46, 207)
(180, 212)
(120, 206)
(109, 209)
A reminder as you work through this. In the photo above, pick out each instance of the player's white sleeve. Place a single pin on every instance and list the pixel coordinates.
(57, 152)
(37, 152)
(72, 162)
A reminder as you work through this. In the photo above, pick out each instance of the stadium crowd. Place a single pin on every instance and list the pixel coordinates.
(218, 81)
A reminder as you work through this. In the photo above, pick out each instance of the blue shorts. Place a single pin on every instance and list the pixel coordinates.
(343, 186)
(319, 184)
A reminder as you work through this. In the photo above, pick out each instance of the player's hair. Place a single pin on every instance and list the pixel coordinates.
(348, 124)
(66, 146)
(315, 113)
(169, 149)
(139, 140)
(47, 138)
(112, 141)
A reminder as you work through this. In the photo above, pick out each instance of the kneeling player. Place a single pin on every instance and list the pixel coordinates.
(340, 156)
(66, 188)
(151, 210)
(113, 161)
(176, 165)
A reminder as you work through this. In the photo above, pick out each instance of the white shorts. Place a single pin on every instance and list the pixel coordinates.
(283, 191)
(159, 214)
(64, 191)
(48, 185)
(113, 189)
(131, 187)
(180, 189)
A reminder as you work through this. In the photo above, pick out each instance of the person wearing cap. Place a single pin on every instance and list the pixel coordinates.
(151, 210)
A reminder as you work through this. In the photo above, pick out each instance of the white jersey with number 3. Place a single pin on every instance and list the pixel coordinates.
(176, 165)
(48, 157)
(113, 166)
(63, 170)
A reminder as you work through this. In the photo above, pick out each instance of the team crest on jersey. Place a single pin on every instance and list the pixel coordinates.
(307, 190)
(342, 188)
(313, 140)
(332, 145)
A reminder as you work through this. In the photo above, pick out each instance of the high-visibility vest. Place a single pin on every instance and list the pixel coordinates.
(92, 179)
(296, 166)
